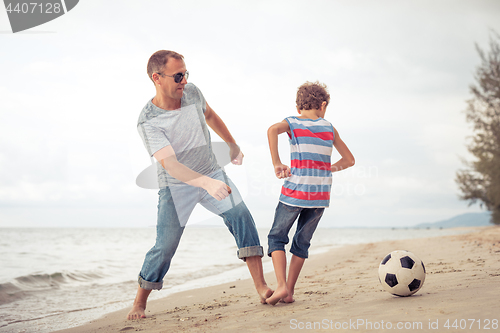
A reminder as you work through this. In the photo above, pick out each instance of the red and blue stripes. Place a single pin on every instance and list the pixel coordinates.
(311, 144)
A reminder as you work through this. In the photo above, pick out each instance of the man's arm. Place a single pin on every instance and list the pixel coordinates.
(281, 170)
(215, 122)
(166, 156)
(347, 159)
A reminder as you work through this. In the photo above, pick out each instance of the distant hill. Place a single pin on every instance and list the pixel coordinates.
(464, 220)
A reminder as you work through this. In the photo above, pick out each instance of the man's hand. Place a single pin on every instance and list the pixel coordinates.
(282, 171)
(238, 160)
(217, 189)
(235, 154)
(216, 123)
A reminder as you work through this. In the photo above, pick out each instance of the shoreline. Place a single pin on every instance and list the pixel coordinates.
(341, 286)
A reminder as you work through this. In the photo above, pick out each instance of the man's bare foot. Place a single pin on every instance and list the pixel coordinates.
(137, 312)
(139, 307)
(264, 294)
(280, 293)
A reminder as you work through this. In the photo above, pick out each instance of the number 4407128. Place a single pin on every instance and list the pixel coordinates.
(32, 7)
(480, 324)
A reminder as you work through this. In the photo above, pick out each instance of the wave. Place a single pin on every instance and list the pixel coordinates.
(23, 286)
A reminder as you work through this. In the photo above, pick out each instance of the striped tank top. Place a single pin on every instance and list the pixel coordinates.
(311, 144)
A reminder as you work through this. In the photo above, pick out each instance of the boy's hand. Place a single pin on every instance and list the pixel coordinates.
(282, 171)
(217, 189)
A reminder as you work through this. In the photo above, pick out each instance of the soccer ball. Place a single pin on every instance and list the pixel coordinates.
(401, 273)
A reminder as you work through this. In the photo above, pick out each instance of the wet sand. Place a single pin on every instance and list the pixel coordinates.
(340, 291)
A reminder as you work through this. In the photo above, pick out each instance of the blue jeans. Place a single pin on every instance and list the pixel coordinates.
(172, 217)
(284, 218)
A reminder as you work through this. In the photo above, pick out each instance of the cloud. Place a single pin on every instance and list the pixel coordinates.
(398, 74)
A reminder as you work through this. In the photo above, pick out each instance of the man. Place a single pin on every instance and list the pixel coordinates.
(173, 126)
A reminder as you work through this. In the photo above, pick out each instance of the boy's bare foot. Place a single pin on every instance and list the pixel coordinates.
(264, 294)
(288, 299)
(137, 312)
(281, 292)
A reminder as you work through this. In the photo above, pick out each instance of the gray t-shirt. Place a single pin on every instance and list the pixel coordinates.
(184, 129)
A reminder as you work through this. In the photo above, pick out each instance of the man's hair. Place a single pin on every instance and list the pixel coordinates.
(158, 61)
(311, 95)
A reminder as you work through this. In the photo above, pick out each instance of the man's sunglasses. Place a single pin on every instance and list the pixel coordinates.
(178, 77)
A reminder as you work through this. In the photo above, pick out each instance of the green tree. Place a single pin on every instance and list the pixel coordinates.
(480, 180)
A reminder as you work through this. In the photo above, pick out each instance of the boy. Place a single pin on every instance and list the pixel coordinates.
(306, 192)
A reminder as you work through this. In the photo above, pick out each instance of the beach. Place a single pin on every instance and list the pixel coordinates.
(340, 291)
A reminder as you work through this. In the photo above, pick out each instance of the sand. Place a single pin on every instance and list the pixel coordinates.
(340, 291)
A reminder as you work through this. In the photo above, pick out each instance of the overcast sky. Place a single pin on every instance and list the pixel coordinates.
(398, 73)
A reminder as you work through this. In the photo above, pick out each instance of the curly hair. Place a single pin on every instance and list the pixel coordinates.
(158, 61)
(311, 95)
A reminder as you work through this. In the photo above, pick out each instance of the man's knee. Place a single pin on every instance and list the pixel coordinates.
(240, 211)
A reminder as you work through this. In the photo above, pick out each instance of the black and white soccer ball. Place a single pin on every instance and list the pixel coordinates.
(401, 273)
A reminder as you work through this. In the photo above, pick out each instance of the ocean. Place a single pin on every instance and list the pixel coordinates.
(52, 279)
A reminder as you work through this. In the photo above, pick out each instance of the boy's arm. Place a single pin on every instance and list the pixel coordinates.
(281, 170)
(166, 156)
(347, 159)
(215, 122)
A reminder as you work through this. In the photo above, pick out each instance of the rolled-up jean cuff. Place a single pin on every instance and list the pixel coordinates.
(149, 285)
(250, 251)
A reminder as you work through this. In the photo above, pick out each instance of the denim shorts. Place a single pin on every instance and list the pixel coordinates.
(175, 205)
(284, 218)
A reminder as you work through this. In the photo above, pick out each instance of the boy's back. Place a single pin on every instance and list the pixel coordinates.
(311, 143)
(306, 192)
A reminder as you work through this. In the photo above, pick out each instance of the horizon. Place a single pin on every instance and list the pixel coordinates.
(221, 225)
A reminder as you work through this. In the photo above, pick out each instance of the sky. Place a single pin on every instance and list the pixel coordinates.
(398, 73)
